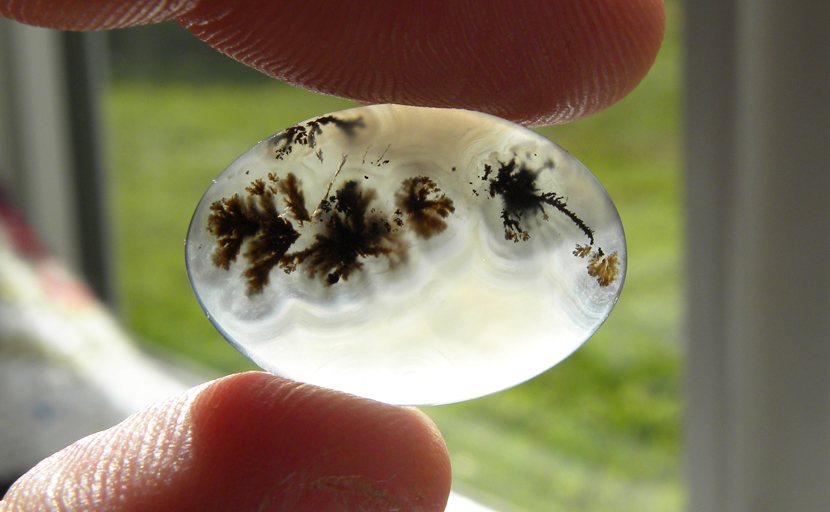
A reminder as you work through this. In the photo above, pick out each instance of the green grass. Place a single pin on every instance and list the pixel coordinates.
(599, 432)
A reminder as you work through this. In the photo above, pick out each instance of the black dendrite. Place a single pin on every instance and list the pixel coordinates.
(306, 134)
(512, 227)
(425, 209)
(516, 185)
(557, 202)
(351, 232)
(347, 127)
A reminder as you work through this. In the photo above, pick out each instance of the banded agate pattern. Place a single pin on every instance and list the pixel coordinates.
(408, 255)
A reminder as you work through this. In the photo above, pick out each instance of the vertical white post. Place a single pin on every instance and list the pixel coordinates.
(37, 158)
(780, 258)
(50, 152)
(710, 149)
(759, 257)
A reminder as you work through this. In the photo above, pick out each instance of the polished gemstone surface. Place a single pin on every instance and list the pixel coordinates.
(409, 255)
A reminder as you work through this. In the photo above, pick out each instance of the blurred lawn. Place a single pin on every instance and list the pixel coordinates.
(599, 432)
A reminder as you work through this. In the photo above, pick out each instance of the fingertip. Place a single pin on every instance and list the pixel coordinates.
(530, 61)
(290, 445)
(138, 464)
(93, 14)
(249, 442)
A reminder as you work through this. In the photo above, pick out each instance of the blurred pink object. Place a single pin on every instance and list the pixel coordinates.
(67, 368)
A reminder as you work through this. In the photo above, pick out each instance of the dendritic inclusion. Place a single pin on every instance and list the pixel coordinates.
(404, 254)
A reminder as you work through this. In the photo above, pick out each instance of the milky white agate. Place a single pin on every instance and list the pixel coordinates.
(408, 255)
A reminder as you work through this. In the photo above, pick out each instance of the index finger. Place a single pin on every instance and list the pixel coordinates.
(530, 61)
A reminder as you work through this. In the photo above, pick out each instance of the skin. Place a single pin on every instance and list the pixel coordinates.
(531, 61)
(258, 442)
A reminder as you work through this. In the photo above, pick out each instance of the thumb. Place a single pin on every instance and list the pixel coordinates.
(249, 442)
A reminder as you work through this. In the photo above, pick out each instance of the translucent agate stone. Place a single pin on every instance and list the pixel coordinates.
(408, 255)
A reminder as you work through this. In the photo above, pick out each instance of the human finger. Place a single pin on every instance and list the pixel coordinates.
(249, 442)
(92, 14)
(531, 61)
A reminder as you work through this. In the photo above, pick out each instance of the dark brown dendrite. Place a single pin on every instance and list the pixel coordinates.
(266, 251)
(380, 160)
(293, 196)
(284, 149)
(233, 220)
(347, 127)
(487, 171)
(604, 268)
(351, 233)
(231, 223)
(424, 213)
(516, 185)
(351, 230)
(512, 229)
(306, 134)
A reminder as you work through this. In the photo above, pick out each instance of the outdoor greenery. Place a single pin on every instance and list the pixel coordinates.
(598, 432)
